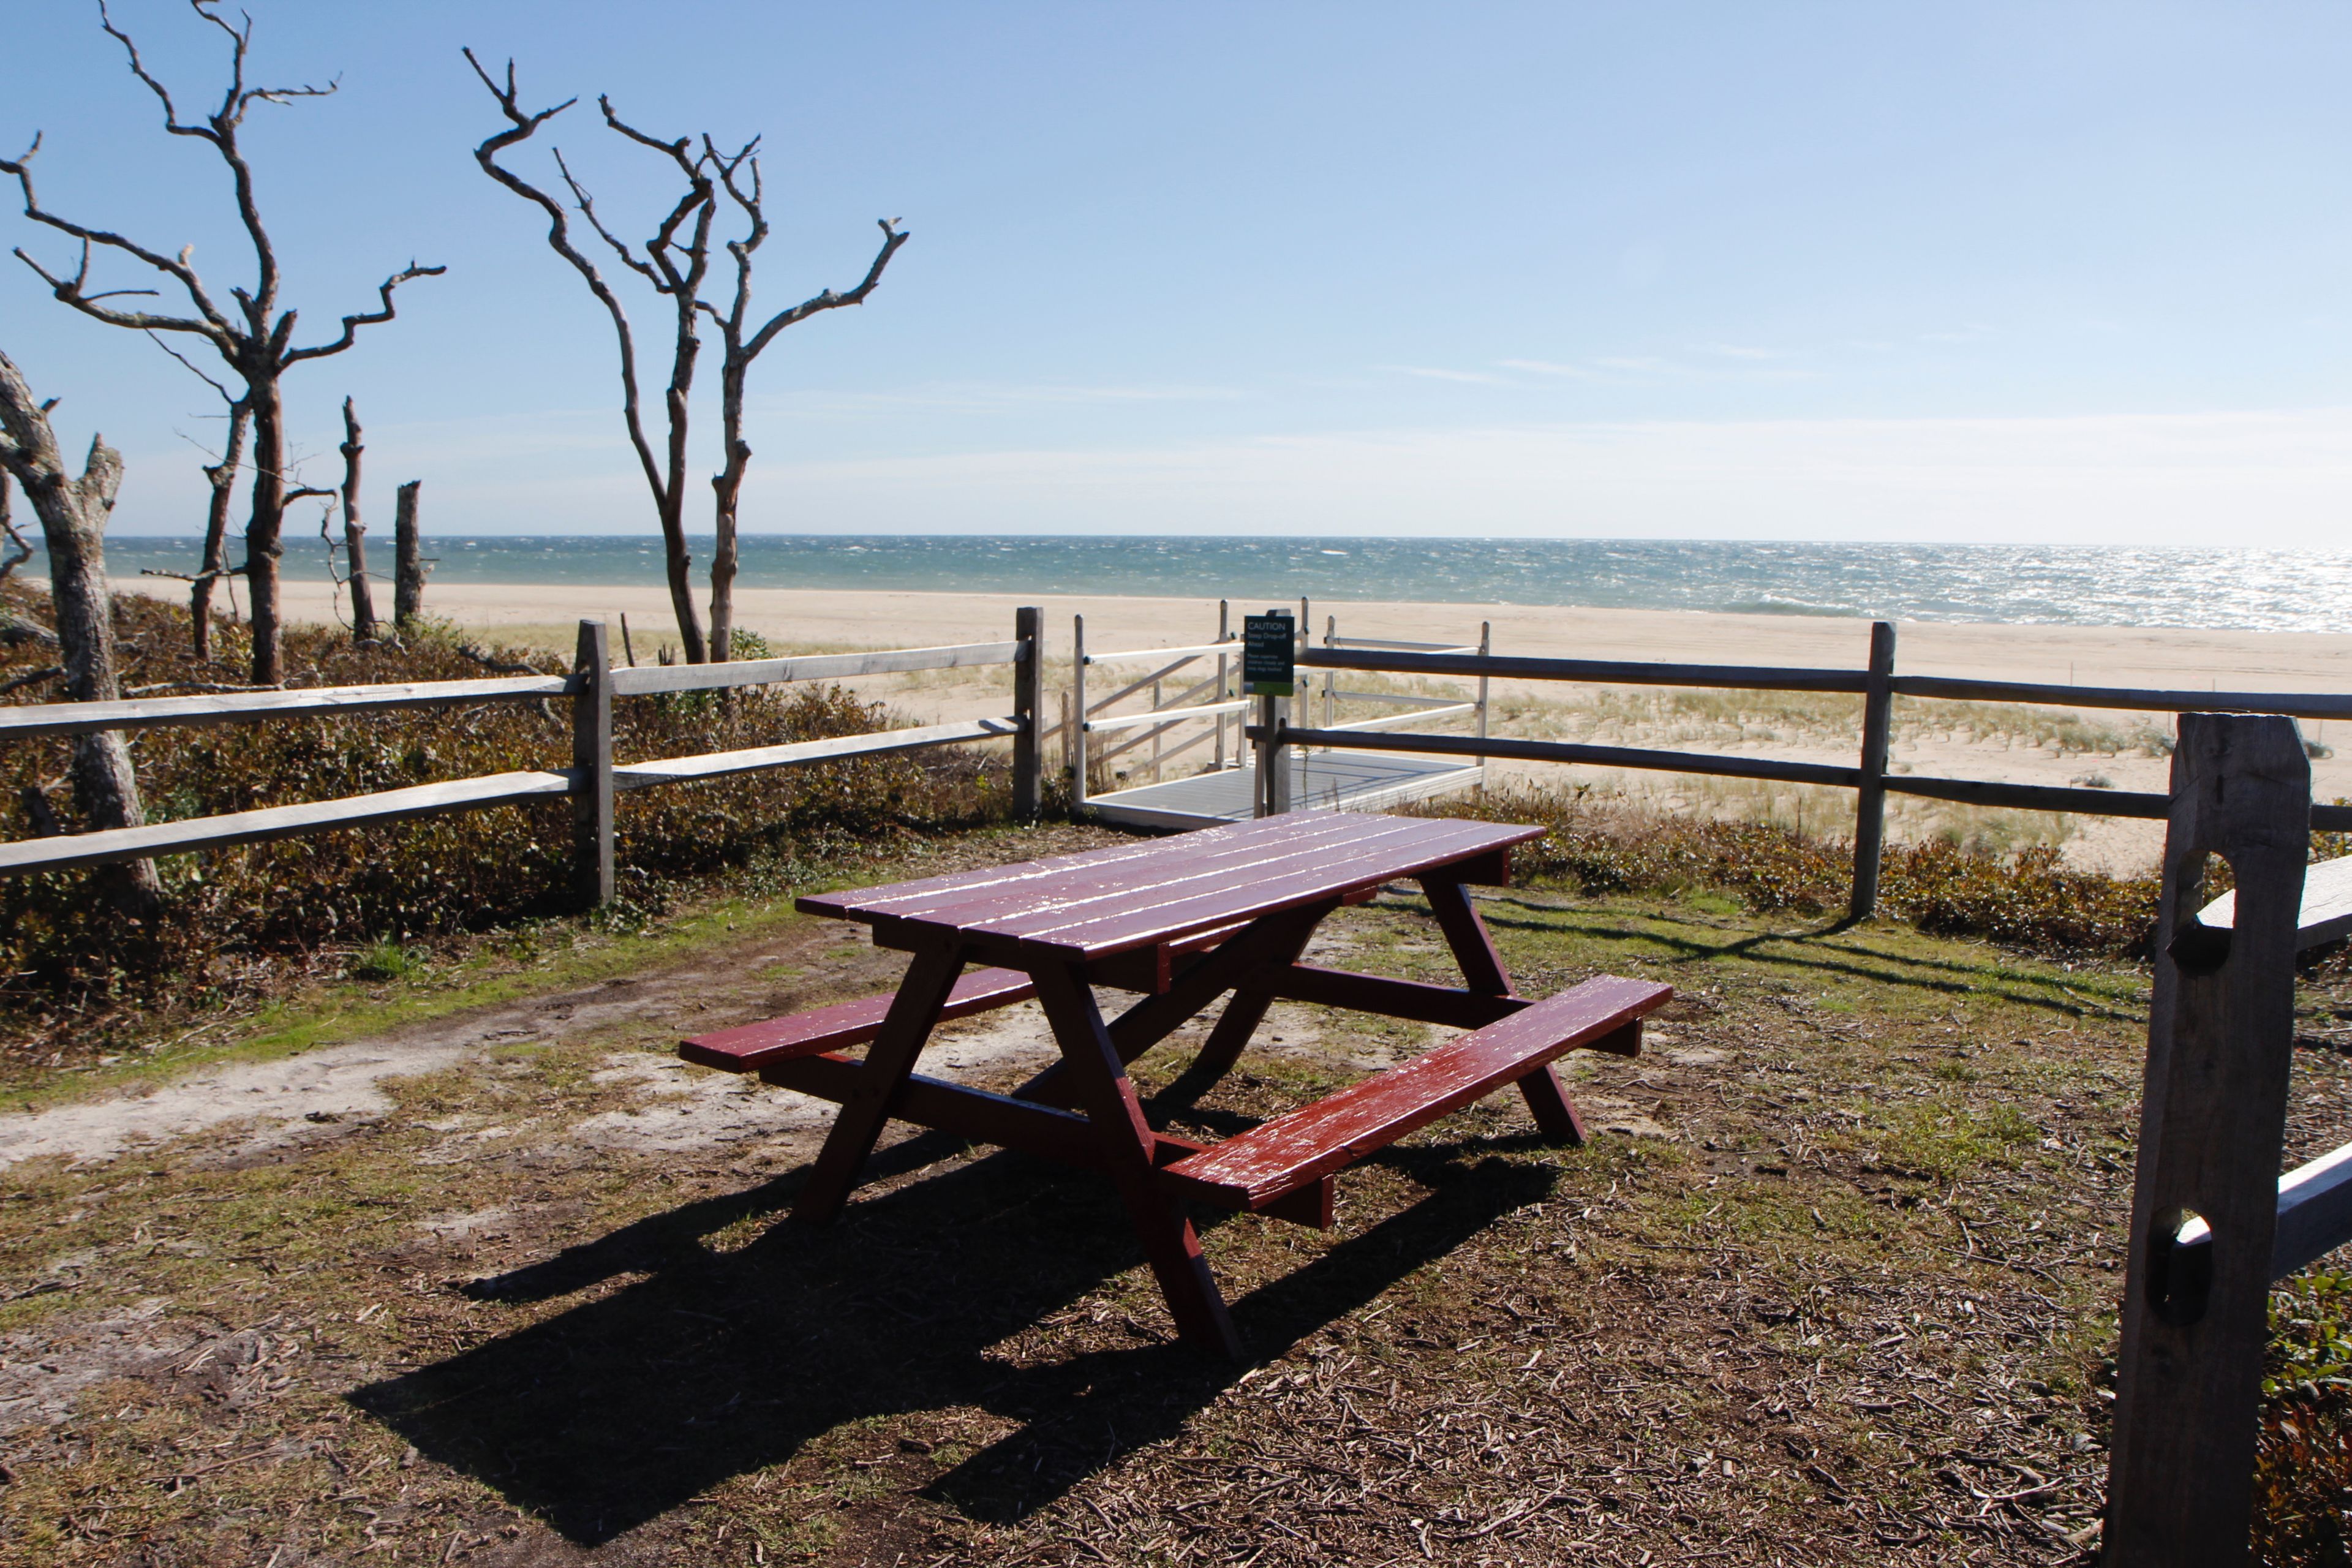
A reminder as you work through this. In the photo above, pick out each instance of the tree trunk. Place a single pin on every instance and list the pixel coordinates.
(673, 509)
(408, 559)
(355, 532)
(73, 514)
(728, 485)
(262, 529)
(223, 476)
(18, 550)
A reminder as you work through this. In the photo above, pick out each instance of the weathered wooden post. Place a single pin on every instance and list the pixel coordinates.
(591, 763)
(1078, 714)
(364, 626)
(1270, 798)
(1224, 690)
(1330, 639)
(408, 557)
(2220, 1041)
(1485, 650)
(1028, 706)
(1870, 801)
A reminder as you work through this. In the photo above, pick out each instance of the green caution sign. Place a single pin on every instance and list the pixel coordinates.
(1269, 654)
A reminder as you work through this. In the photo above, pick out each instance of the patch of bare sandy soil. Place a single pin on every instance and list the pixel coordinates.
(336, 1089)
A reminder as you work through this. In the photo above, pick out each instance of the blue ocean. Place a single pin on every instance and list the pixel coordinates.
(2287, 591)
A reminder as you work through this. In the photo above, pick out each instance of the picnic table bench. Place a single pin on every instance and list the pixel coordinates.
(1183, 922)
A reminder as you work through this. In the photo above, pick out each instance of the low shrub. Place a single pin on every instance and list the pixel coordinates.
(233, 917)
(2303, 1468)
(2030, 899)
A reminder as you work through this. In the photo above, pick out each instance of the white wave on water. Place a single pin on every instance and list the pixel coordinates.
(2257, 590)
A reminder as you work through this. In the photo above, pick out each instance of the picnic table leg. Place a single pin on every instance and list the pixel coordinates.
(1275, 950)
(1482, 966)
(913, 1011)
(1249, 952)
(1169, 1243)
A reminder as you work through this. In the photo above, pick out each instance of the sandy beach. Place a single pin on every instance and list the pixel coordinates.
(2088, 655)
(1979, 741)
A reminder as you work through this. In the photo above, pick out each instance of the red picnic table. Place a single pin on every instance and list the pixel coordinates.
(1181, 921)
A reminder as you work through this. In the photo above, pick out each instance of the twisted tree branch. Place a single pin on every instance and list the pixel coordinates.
(352, 324)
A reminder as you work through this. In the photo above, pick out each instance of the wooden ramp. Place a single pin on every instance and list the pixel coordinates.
(1322, 781)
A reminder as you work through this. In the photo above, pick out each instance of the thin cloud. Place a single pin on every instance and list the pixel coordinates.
(1473, 377)
(1553, 367)
(980, 396)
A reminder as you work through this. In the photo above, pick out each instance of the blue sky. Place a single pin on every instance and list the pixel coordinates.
(2002, 272)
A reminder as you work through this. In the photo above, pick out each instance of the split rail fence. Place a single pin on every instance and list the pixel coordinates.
(1878, 685)
(590, 783)
(2212, 1225)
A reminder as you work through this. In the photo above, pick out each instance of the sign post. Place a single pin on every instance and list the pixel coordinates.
(1270, 673)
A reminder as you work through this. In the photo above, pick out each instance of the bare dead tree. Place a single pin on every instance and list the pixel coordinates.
(743, 342)
(676, 262)
(675, 269)
(408, 558)
(220, 478)
(73, 513)
(363, 627)
(18, 550)
(256, 342)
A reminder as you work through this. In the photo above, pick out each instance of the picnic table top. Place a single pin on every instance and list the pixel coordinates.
(1130, 896)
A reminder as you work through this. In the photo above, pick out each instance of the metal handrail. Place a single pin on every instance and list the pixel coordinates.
(1168, 715)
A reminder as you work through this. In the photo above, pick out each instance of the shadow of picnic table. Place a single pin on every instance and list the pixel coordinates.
(718, 1363)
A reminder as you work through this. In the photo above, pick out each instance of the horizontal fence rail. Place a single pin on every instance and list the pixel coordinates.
(2315, 1214)
(118, 844)
(646, 680)
(1181, 655)
(1348, 738)
(1599, 671)
(2315, 1211)
(2292, 704)
(1167, 715)
(32, 720)
(719, 764)
(589, 784)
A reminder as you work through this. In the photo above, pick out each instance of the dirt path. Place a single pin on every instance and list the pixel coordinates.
(253, 1107)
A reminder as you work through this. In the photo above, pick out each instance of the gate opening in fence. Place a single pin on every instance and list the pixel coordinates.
(1193, 708)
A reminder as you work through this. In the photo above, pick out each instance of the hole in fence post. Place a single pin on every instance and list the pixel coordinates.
(2197, 948)
(2180, 1267)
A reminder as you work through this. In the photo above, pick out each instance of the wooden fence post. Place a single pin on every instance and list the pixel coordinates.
(1224, 692)
(1870, 800)
(1485, 650)
(1078, 714)
(1028, 706)
(2220, 1041)
(592, 761)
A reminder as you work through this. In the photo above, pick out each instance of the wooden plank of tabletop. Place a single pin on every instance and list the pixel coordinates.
(1157, 878)
(899, 898)
(1340, 867)
(1092, 935)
